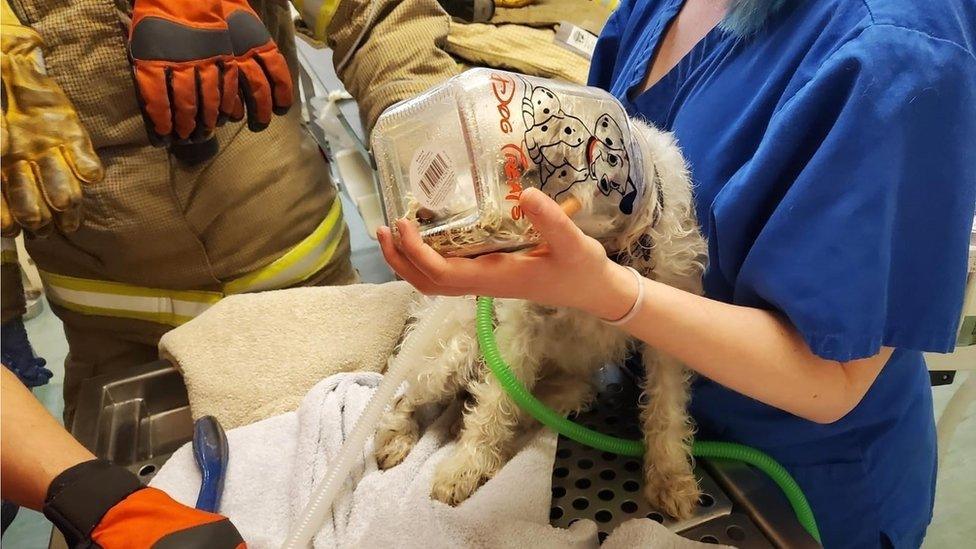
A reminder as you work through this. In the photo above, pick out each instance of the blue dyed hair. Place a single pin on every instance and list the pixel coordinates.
(748, 16)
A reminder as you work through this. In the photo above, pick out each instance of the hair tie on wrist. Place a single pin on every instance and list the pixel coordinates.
(637, 302)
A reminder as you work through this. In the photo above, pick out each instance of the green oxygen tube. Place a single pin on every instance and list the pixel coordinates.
(548, 417)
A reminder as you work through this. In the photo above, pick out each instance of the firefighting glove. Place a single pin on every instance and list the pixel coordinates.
(97, 504)
(47, 156)
(182, 58)
(265, 80)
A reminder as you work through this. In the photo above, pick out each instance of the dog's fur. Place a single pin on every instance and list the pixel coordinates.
(555, 352)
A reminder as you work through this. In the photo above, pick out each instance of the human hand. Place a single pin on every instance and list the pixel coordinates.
(18, 355)
(569, 269)
(98, 504)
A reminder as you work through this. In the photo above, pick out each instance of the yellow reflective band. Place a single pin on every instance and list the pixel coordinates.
(301, 262)
(106, 298)
(9, 256)
(326, 12)
(169, 319)
(119, 288)
(9, 250)
(175, 307)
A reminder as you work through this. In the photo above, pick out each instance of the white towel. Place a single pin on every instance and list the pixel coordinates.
(275, 463)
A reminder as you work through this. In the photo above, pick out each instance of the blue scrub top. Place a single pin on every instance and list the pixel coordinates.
(834, 160)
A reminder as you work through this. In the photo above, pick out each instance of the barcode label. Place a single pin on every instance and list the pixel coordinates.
(432, 176)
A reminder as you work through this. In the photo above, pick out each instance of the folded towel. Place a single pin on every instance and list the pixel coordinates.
(548, 13)
(516, 47)
(252, 356)
(274, 465)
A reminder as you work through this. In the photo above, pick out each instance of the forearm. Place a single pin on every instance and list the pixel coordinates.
(386, 50)
(751, 351)
(35, 448)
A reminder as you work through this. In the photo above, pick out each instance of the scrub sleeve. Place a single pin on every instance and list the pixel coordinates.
(868, 244)
(864, 247)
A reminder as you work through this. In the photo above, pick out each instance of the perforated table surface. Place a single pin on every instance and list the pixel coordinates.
(607, 488)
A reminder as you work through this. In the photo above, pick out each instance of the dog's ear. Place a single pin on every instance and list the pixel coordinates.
(636, 241)
(627, 202)
(664, 242)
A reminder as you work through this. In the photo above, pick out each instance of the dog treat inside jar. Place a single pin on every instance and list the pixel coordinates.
(456, 159)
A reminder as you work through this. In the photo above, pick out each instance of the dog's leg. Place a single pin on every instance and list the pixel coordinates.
(564, 393)
(669, 480)
(490, 424)
(449, 370)
(488, 433)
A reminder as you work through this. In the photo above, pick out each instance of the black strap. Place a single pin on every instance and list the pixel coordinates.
(80, 496)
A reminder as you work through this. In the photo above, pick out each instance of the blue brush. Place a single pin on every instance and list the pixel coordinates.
(210, 451)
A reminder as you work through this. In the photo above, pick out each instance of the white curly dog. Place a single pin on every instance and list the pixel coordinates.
(555, 351)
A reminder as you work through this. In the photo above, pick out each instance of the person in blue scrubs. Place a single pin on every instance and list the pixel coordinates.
(833, 152)
(832, 145)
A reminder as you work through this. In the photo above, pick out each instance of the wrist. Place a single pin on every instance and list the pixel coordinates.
(81, 495)
(615, 294)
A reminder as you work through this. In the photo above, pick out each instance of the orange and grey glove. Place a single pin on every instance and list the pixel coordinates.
(47, 155)
(182, 57)
(265, 80)
(99, 505)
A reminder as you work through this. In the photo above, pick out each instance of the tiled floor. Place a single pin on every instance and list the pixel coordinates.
(954, 525)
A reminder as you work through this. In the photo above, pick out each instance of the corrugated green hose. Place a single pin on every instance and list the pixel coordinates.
(556, 422)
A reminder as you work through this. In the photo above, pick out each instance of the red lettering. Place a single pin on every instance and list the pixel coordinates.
(515, 165)
(504, 89)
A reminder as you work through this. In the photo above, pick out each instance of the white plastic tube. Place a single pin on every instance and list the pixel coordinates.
(410, 357)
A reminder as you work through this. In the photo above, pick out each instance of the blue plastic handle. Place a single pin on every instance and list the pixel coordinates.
(210, 451)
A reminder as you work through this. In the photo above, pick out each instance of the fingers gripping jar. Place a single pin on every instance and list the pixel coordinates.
(457, 158)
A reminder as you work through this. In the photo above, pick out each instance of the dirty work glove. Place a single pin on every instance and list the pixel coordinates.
(47, 154)
(182, 57)
(18, 356)
(97, 504)
(265, 80)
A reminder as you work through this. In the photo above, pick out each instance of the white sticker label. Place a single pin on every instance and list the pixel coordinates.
(576, 39)
(432, 177)
(583, 40)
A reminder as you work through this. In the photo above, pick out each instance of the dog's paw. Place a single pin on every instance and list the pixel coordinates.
(455, 480)
(675, 494)
(393, 445)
